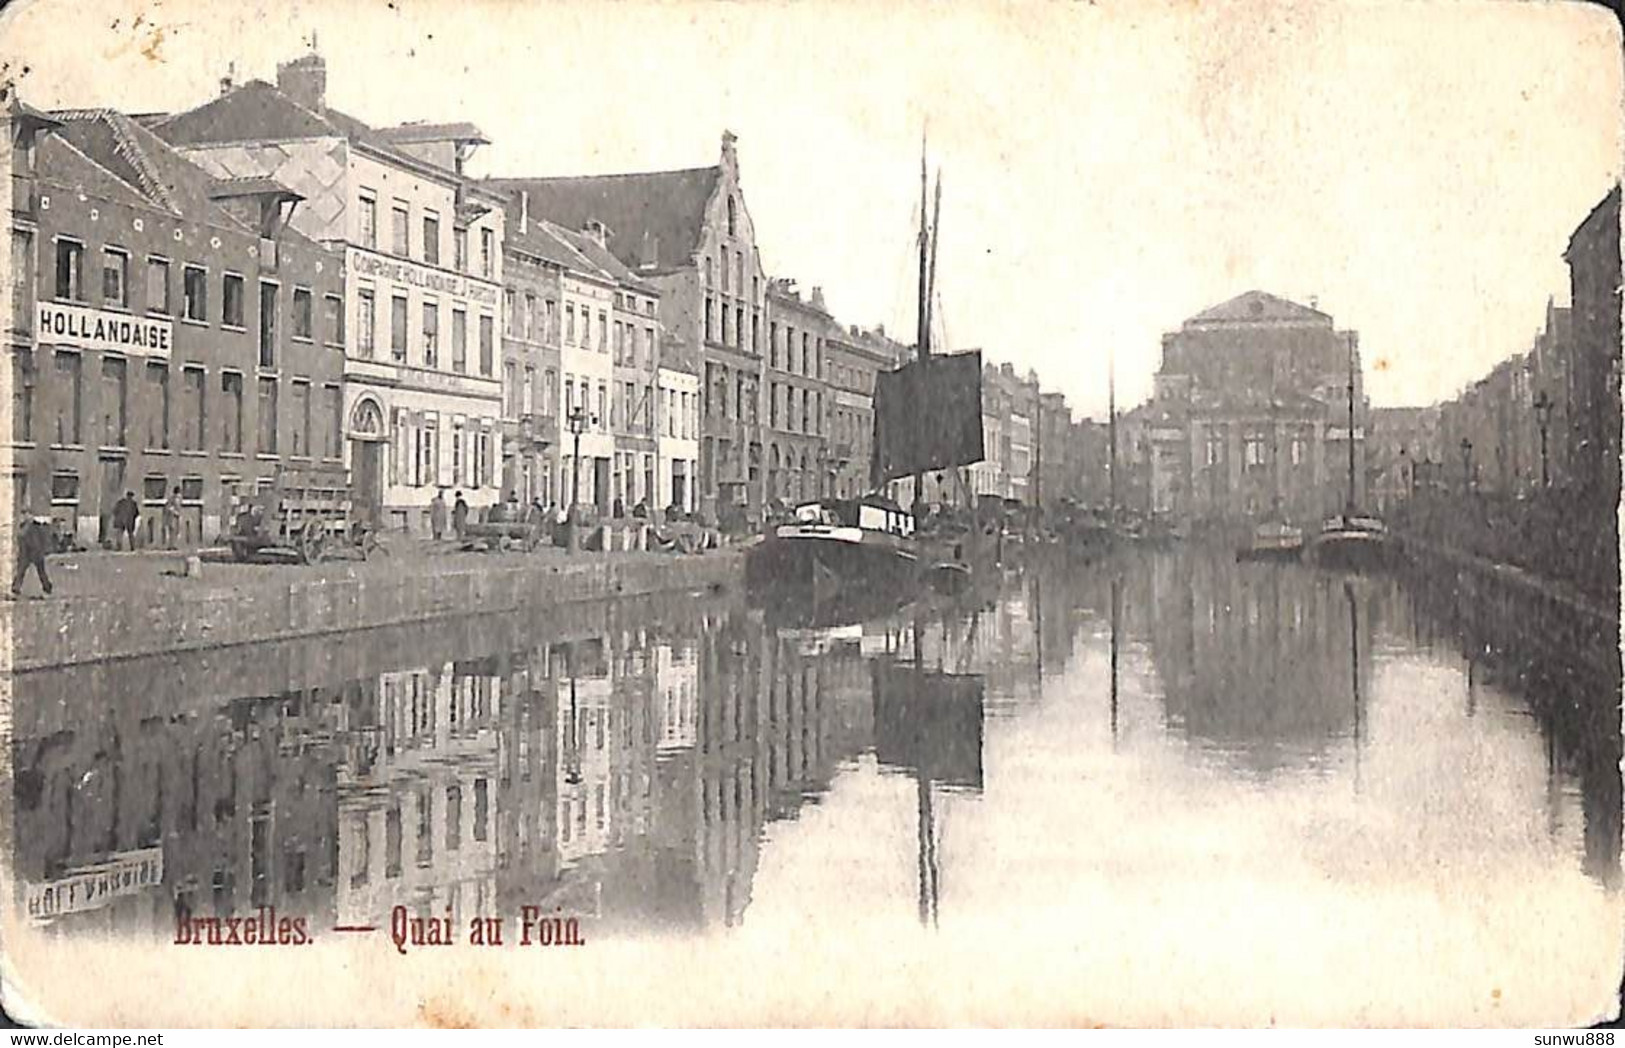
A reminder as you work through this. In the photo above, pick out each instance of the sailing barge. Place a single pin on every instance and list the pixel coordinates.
(928, 418)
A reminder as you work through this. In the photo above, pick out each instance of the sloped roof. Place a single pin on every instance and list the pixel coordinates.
(145, 162)
(460, 131)
(63, 162)
(656, 214)
(254, 111)
(602, 258)
(1254, 307)
(258, 111)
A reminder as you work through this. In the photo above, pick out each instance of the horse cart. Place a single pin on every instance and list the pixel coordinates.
(306, 516)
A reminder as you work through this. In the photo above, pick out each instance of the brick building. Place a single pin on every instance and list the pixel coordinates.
(171, 330)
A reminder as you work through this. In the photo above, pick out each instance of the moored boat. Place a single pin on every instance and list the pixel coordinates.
(1352, 541)
(836, 544)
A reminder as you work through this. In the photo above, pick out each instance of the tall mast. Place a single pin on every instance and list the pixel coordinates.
(1111, 429)
(923, 335)
(1351, 428)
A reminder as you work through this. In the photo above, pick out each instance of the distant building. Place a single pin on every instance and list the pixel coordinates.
(1404, 454)
(1250, 415)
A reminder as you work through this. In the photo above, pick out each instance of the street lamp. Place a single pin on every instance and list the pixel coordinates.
(1466, 465)
(579, 421)
(1543, 406)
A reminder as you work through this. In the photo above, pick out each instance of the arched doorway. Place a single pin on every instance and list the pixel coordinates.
(366, 435)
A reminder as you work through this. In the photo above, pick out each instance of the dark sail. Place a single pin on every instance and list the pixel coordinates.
(929, 722)
(928, 417)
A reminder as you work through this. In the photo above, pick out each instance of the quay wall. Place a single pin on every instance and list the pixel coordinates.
(91, 629)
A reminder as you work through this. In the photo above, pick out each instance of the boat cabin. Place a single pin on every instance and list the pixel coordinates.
(871, 513)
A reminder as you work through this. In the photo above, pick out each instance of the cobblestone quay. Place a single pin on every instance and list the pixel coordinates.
(109, 607)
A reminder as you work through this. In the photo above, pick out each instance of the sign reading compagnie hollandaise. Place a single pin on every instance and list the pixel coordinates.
(103, 329)
(445, 281)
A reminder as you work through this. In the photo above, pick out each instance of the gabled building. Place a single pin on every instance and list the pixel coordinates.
(689, 235)
(422, 245)
(173, 330)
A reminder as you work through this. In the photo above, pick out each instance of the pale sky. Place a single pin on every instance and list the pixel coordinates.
(1109, 168)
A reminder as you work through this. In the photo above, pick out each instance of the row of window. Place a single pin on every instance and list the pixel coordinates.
(194, 299)
(360, 843)
(782, 353)
(724, 400)
(175, 416)
(726, 325)
(733, 276)
(1254, 452)
(429, 347)
(400, 245)
(417, 458)
(804, 413)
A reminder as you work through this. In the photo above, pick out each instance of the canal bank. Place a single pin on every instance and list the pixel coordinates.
(110, 608)
(1504, 608)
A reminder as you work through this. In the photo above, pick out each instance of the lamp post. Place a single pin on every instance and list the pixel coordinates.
(1466, 465)
(579, 421)
(1543, 406)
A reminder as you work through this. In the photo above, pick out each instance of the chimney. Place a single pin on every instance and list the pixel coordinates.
(524, 211)
(1314, 301)
(596, 230)
(730, 158)
(227, 82)
(304, 80)
(818, 297)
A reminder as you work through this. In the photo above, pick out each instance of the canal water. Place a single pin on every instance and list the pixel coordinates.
(1224, 785)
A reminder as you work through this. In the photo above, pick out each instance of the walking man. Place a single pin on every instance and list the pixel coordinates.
(125, 515)
(172, 519)
(33, 543)
(459, 516)
(437, 515)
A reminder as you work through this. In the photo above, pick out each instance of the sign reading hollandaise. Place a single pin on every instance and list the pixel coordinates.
(104, 330)
(92, 887)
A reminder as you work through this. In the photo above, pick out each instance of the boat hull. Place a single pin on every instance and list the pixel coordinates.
(813, 567)
(1351, 551)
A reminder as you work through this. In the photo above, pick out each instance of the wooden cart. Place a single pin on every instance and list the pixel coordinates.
(306, 515)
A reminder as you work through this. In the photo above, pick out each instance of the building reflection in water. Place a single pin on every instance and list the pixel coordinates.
(626, 764)
(1260, 663)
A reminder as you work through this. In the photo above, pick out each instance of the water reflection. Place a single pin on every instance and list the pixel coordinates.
(628, 764)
